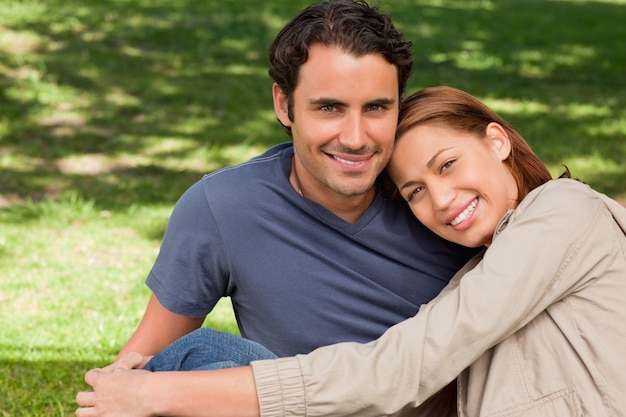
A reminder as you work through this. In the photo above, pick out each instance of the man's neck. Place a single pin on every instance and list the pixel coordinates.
(348, 208)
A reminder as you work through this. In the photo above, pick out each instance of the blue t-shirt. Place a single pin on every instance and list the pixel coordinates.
(299, 277)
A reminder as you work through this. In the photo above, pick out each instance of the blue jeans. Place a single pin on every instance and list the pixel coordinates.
(205, 349)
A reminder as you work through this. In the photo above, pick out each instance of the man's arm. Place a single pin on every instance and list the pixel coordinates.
(158, 328)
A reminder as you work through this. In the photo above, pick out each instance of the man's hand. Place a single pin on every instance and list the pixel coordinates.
(115, 394)
(133, 360)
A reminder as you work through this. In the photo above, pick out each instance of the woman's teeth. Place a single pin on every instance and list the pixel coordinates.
(465, 214)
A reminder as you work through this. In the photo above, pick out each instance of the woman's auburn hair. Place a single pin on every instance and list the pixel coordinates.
(458, 110)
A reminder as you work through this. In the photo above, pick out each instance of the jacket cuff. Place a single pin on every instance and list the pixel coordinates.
(280, 389)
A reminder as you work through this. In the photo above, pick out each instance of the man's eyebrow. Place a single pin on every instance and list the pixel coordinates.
(325, 101)
(328, 100)
(383, 100)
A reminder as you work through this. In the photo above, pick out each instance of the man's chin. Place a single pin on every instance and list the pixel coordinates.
(355, 190)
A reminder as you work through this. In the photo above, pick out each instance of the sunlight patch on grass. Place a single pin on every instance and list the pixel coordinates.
(593, 168)
(240, 153)
(536, 63)
(242, 69)
(34, 85)
(462, 4)
(602, 174)
(90, 164)
(250, 128)
(200, 125)
(11, 157)
(20, 11)
(509, 106)
(593, 163)
(273, 21)
(611, 127)
(573, 54)
(118, 96)
(575, 110)
(18, 42)
(473, 58)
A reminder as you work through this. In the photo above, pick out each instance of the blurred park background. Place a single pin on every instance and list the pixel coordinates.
(110, 109)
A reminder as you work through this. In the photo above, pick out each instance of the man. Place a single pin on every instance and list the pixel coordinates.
(301, 238)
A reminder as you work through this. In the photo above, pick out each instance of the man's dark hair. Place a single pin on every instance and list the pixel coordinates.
(352, 25)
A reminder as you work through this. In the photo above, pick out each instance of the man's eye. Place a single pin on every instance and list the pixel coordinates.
(327, 108)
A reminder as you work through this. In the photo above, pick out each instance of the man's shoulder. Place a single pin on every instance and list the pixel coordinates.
(245, 183)
(267, 162)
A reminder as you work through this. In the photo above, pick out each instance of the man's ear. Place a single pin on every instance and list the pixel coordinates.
(499, 140)
(281, 105)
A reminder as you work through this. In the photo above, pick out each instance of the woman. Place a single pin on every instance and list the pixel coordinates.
(534, 326)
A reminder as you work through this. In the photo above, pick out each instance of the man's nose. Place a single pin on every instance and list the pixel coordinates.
(354, 134)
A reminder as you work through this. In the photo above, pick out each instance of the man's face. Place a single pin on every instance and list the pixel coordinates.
(345, 113)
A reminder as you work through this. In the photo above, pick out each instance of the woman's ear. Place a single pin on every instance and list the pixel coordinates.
(281, 105)
(499, 140)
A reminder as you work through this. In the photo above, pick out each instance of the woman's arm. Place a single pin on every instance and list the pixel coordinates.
(136, 393)
(534, 262)
(538, 259)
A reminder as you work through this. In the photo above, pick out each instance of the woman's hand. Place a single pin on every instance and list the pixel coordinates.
(139, 393)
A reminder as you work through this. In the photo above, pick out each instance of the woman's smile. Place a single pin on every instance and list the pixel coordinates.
(464, 215)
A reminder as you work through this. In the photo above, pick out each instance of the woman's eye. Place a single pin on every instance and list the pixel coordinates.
(414, 193)
(446, 165)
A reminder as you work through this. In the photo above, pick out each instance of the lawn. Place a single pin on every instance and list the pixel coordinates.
(110, 109)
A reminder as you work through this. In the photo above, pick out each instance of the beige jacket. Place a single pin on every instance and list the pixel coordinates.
(536, 328)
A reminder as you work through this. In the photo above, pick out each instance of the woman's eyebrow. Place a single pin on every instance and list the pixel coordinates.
(431, 161)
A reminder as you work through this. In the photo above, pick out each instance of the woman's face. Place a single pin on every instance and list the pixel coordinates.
(456, 183)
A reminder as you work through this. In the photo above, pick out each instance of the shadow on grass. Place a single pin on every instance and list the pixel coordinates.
(48, 387)
(134, 75)
(108, 83)
(41, 387)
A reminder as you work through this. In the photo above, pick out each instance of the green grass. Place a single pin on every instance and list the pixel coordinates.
(110, 109)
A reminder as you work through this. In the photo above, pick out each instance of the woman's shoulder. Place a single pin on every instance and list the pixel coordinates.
(564, 186)
(561, 200)
(562, 192)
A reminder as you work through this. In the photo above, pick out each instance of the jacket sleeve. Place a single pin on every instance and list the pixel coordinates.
(532, 263)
